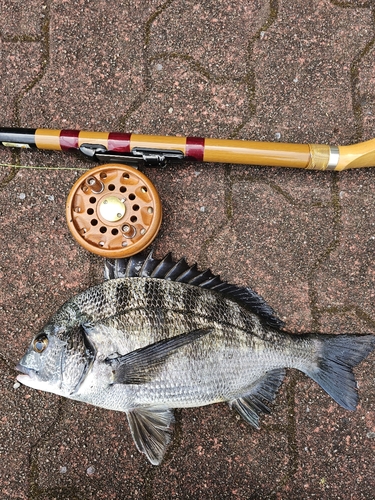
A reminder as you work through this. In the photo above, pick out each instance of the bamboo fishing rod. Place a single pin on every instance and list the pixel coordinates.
(114, 210)
(154, 150)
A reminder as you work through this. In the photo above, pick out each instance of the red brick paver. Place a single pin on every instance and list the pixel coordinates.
(286, 70)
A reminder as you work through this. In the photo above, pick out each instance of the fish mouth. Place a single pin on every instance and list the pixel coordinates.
(26, 372)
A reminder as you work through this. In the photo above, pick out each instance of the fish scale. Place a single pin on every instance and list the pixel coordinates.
(159, 335)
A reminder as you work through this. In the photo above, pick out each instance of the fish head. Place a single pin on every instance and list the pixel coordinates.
(57, 360)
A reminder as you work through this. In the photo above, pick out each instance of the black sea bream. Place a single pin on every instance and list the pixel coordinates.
(158, 335)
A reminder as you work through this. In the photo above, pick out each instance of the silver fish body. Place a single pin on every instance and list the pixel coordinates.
(159, 335)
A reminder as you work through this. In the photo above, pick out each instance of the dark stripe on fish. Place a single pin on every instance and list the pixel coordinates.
(191, 301)
(122, 296)
(153, 294)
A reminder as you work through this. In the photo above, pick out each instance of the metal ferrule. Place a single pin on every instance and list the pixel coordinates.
(334, 156)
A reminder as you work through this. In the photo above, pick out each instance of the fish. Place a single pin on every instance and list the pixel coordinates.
(160, 334)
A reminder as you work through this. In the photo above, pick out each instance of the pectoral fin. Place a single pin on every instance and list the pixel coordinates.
(151, 431)
(141, 366)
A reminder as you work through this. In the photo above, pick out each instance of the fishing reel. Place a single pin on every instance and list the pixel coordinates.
(114, 210)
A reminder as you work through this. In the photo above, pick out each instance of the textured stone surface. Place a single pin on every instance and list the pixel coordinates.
(268, 70)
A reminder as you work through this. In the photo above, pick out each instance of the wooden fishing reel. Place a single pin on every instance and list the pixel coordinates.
(114, 210)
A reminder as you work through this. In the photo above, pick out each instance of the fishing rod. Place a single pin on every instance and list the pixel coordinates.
(154, 150)
(114, 210)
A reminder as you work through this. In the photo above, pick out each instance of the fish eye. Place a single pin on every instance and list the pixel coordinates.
(40, 343)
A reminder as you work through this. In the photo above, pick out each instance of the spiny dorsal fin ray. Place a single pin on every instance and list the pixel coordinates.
(179, 268)
(142, 265)
(148, 266)
(250, 405)
(201, 278)
(151, 429)
(163, 267)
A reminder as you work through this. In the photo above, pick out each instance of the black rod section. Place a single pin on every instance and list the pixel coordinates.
(17, 136)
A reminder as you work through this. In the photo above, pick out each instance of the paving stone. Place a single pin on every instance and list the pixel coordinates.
(276, 71)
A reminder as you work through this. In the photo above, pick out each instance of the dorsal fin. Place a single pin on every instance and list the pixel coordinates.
(145, 265)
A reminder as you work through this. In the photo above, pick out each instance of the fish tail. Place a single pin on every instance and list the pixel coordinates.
(333, 370)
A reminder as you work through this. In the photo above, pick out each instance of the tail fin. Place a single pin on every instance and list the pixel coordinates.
(333, 370)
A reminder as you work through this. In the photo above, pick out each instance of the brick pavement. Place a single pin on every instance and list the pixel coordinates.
(267, 70)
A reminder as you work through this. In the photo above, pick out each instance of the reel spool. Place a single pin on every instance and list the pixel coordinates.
(113, 210)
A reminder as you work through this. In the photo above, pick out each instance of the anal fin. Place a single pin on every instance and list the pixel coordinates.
(251, 404)
(151, 429)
